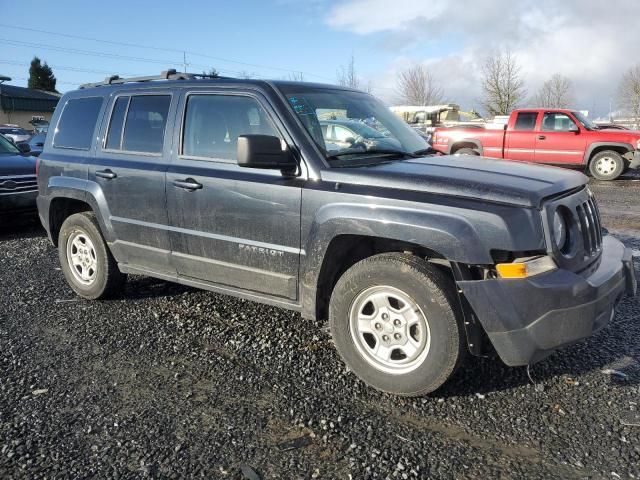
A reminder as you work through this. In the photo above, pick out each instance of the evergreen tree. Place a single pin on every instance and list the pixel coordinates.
(41, 76)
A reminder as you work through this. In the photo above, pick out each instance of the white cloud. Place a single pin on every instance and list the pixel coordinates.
(591, 41)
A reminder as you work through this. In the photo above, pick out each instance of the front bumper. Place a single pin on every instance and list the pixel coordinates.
(527, 319)
(19, 202)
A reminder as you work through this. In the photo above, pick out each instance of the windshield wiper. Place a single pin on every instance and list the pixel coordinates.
(422, 152)
(372, 152)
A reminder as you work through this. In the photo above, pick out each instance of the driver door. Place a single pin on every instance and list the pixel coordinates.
(560, 140)
(231, 226)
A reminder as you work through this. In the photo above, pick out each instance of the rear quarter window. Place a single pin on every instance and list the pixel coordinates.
(77, 123)
(526, 121)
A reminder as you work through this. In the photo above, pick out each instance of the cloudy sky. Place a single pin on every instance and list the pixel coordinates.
(591, 41)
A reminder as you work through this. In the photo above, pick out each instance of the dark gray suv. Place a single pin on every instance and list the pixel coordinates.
(228, 185)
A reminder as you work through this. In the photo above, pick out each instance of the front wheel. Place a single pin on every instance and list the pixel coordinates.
(393, 319)
(607, 165)
(467, 151)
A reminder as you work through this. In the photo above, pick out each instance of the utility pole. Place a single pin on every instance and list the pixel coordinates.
(184, 61)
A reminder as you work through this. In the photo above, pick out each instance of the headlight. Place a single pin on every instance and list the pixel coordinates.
(559, 230)
(638, 144)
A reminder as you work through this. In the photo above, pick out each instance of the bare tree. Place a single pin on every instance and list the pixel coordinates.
(347, 76)
(629, 93)
(212, 71)
(416, 86)
(502, 87)
(247, 75)
(296, 77)
(555, 93)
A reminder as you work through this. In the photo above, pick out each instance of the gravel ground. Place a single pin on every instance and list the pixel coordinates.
(172, 382)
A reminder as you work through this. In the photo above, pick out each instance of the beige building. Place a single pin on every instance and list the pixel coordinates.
(19, 105)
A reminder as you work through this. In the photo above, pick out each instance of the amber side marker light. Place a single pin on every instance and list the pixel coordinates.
(526, 267)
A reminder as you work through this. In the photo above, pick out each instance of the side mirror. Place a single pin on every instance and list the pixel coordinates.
(574, 129)
(23, 147)
(264, 151)
(350, 140)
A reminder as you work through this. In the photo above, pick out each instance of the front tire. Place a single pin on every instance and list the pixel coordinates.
(607, 165)
(87, 264)
(393, 319)
(467, 151)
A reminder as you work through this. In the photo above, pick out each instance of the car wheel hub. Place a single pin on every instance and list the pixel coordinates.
(82, 258)
(605, 165)
(389, 330)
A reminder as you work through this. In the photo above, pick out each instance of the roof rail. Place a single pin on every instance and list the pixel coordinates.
(170, 74)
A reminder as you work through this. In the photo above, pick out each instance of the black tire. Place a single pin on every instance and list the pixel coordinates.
(467, 151)
(431, 290)
(607, 165)
(107, 280)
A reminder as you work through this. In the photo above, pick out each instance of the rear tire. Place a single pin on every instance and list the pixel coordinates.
(394, 321)
(607, 165)
(85, 259)
(467, 151)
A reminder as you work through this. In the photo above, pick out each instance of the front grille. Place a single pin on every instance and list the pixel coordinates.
(590, 227)
(18, 184)
(584, 239)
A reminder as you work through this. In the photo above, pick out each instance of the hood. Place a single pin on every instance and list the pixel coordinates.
(500, 181)
(627, 136)
(11, 165)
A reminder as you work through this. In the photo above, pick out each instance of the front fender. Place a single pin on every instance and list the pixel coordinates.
(458, 234)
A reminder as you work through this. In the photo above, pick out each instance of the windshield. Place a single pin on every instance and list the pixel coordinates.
(7, 147)
(351, 127)
(586, 123)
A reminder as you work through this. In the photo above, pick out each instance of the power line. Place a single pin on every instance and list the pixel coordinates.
(165, 63)
(70, 69)
(126, 44)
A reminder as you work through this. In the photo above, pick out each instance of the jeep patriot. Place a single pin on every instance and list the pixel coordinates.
(416, 261)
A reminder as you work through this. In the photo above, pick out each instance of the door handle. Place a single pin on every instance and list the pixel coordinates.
(541, 137)
(108, 174)
(188, 184)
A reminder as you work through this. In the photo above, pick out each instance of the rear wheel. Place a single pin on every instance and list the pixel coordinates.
(467, 151)
(393, 320)
(607, 165)
(87, 264)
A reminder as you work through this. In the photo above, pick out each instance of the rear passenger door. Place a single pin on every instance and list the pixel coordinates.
(129, 173)
(232, 226)
(520, 143)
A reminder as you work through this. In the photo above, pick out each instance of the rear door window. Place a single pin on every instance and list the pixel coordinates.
(526, 121)
(144, 124)
(77, 123)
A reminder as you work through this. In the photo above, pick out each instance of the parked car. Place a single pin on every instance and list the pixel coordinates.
(355, 134)
(18, 186)
(15, 133)
(24, 147)
(550, 136)
(40, 126)
(228, 185)
(36, 143)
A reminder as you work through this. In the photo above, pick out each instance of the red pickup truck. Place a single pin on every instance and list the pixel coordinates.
(553, 136)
